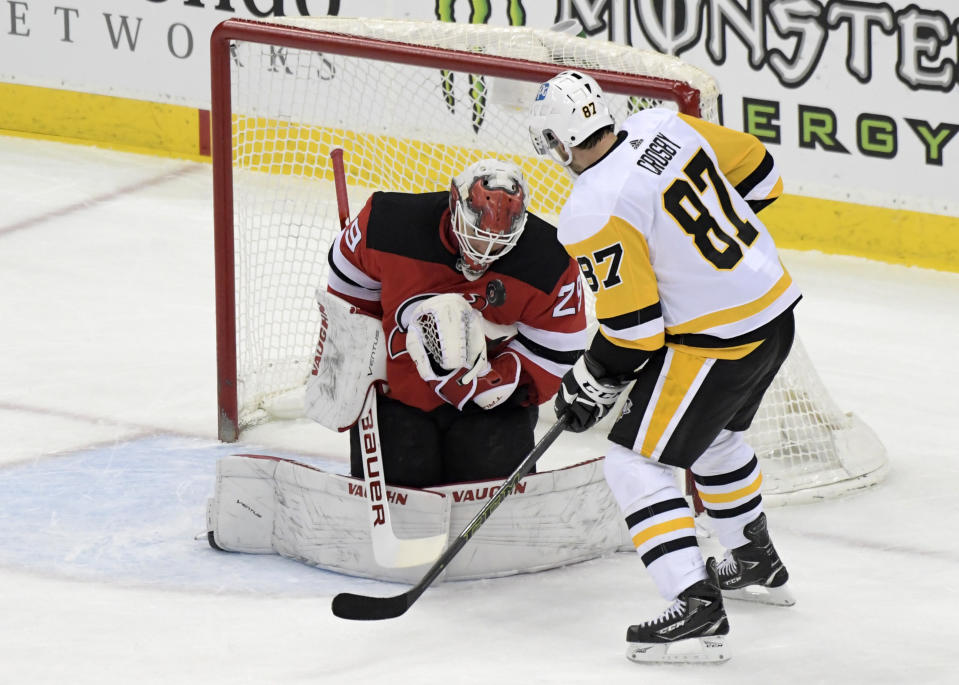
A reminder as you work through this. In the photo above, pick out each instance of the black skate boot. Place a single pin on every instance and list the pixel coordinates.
(754, 572)
(693, 629)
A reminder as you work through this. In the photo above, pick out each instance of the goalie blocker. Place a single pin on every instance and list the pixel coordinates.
(350, 358)
(267, 505)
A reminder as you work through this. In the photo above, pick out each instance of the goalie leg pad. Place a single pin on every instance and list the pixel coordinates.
(552, 519)
(240, 514)
(270, 505)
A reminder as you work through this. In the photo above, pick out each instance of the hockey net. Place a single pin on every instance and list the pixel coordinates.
(411, 104)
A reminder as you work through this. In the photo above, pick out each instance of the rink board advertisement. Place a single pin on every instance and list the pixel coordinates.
(857, 100)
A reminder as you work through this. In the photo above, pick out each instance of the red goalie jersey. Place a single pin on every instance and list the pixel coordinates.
(400, 250)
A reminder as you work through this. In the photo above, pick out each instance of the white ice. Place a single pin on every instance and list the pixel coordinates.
(108, 445)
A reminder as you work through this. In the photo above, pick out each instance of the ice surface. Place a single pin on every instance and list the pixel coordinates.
(108, 408)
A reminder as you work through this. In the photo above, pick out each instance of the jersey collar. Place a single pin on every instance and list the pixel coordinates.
(620, 137)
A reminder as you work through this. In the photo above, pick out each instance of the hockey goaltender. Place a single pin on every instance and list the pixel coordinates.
(441, 334)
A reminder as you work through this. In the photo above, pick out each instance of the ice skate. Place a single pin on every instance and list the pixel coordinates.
(754, 572)
(693, 629)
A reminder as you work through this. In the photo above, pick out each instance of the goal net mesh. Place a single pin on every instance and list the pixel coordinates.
(411, 127)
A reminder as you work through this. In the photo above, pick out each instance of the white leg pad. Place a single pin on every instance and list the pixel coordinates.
(553, 518)
(241, 512)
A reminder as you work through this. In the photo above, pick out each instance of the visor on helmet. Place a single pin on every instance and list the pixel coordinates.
(545, 142)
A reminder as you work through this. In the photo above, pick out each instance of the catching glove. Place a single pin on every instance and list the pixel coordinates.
(488, 386)
(447, 343)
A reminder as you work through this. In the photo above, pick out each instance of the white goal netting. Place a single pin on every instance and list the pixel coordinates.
(411, 104)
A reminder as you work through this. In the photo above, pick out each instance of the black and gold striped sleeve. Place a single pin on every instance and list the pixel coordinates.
(743, 160)
(616, 267)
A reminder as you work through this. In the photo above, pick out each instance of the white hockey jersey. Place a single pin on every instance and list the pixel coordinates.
(666, 239)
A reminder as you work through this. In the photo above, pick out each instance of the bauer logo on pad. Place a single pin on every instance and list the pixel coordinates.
(542, 91)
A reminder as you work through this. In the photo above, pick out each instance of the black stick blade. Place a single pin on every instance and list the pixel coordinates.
(363, 608)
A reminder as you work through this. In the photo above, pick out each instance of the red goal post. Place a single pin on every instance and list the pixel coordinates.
(411, 103)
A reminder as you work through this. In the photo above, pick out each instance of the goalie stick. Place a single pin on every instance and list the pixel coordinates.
(389, 551)
(366, 608)
(339, 182)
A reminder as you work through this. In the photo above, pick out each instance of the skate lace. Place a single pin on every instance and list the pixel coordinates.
(675, 611)
(727, 566)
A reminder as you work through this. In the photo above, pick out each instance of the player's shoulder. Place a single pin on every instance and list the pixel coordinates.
(643, 127)
(650, 116)
(407, 224)
(597, 195)
(538, 259)
(391, 207)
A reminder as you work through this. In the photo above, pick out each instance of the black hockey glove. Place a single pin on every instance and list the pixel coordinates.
(585, 397)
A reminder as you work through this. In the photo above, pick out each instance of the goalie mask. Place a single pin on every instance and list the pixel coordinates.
(568, 109)
(488, 203)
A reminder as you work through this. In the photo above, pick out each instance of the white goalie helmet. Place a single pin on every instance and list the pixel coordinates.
(568, 109)
(488, 202)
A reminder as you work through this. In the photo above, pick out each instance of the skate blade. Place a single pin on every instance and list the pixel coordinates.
(780, 596)
(710, 649)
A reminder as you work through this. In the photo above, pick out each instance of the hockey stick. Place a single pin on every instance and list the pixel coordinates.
(365, 608)
(339, 182)
(388, 550)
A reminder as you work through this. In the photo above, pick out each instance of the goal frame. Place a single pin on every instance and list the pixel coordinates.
(686, 98)
(272, 229)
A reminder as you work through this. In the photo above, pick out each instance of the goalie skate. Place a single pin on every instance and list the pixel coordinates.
(692, 630)
(754, 572)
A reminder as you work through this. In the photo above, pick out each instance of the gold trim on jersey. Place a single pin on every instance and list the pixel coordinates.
(734, 314)
(662, 529)
(777, 190)
(650, 344)
(736, 352)
(739, 154)
(681, 372)
(621, 287)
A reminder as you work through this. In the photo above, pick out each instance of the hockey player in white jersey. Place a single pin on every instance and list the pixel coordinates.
(694, 307)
